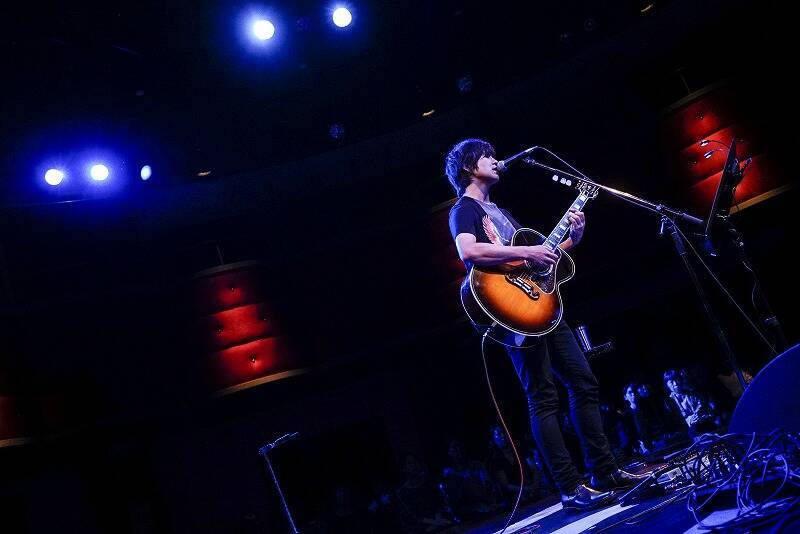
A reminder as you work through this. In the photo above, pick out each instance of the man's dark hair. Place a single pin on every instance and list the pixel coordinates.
(462, 158)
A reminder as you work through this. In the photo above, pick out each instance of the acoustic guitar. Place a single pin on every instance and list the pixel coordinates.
(514, 302)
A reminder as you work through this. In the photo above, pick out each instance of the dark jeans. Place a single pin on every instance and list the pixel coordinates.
(558, 353)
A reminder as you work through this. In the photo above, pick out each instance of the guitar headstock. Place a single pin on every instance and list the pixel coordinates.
(585, 188)
(590, 190)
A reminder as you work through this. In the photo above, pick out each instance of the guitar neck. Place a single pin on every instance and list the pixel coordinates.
(562, 228)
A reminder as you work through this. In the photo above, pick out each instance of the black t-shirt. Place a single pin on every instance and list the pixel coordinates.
(467, 217)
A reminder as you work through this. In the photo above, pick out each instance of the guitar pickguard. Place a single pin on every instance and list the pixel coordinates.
(548, 282)
(530, 283)
(524, 284)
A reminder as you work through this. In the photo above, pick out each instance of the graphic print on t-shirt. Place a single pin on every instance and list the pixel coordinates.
(491, 230)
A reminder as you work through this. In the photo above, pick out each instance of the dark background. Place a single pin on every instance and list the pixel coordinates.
(96, 284)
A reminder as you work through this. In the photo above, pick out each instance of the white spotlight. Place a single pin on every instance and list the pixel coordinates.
(263, 29)
(146, 172)
(54, 176)
(342, 17)
(98, 172)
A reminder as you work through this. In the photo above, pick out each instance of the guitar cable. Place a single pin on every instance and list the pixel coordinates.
(505, 428)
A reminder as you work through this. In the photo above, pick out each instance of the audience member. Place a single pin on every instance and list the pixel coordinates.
(696, 409)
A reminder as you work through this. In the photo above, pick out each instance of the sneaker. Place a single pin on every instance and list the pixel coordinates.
(585, 498)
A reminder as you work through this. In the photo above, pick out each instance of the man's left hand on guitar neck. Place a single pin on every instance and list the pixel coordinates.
(577, 223)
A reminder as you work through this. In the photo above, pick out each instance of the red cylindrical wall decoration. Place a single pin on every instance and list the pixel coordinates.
(718, 115)
(12, 427)
(238, 330)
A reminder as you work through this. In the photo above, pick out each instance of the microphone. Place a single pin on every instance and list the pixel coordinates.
(502, 165)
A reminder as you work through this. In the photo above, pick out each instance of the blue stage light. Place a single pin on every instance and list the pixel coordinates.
(342, 17)
(99, 172)
(263, 29)
(146, 172)
(54, 176)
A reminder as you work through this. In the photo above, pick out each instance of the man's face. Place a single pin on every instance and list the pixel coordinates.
(630, 396)
(486, 169)
(673, 386)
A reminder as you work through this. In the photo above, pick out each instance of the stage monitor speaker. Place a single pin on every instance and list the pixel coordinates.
(772, 400)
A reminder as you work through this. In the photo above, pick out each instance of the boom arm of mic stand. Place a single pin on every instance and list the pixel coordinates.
(668, 217)
(633, 199)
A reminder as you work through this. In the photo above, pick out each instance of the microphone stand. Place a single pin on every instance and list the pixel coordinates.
(264, 452)
(668, 219)
(719, 220)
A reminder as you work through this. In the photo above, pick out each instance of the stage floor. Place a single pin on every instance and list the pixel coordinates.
(547, 516)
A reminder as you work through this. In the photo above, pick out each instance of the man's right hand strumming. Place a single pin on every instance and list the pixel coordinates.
(487, 254)
(540, 255)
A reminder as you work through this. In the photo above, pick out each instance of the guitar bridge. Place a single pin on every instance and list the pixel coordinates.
(523, 284)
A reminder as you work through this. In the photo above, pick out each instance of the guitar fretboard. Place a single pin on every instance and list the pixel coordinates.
(562, 228)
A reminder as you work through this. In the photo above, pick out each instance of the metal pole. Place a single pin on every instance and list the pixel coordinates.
(292, 526)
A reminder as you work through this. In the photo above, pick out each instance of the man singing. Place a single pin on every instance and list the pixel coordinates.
(482, 232)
